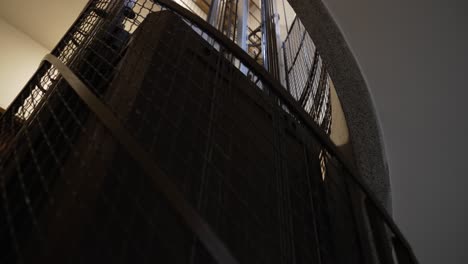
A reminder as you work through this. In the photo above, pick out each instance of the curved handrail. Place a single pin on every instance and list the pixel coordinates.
(287, 99)
(293, 106)
(359, 109)
(192, 218)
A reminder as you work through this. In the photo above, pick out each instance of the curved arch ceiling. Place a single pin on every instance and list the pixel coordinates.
(414, 55)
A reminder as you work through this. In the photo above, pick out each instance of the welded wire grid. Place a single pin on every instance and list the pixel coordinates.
(307, 78)
(71, 193)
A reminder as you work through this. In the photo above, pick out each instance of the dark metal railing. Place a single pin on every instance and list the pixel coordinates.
(306, 77)
(349, 224)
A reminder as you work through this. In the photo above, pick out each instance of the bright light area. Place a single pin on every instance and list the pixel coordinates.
(19, 58)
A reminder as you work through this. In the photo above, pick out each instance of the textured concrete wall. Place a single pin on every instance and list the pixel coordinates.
(366, 139)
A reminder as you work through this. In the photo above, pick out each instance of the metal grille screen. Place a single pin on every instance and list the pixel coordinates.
(245, 163)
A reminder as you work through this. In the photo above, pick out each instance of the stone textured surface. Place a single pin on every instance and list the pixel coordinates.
(351, 87)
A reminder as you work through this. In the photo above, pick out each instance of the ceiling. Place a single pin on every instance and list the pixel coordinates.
(44, 21)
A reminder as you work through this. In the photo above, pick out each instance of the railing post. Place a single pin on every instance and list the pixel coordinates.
(213, 13)
(242, 25)
(269, 39)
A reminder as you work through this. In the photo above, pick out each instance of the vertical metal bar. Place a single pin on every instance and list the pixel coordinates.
(243, 14)
(269, 39)
(227, 18)
(242, 27)
(213, 12)
(278, 50)
(222, 18)
(285, 64)
(263, 28)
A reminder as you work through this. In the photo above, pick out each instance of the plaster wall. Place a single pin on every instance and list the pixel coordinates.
(20, 56)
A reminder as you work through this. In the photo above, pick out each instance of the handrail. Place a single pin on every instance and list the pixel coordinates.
(285, 97)
(290, 102)
(192, 218)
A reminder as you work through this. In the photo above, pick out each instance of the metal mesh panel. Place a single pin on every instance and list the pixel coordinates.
(72, 194)
(307, 79)
(236, 150)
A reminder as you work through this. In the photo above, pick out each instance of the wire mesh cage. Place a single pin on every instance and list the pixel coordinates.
(148, 135)
(307, 78)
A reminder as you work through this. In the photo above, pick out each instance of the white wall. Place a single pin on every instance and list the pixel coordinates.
(45, 21)
(415, 57)
(19, 58)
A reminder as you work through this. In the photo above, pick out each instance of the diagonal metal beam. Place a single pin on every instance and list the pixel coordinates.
(194, 221)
